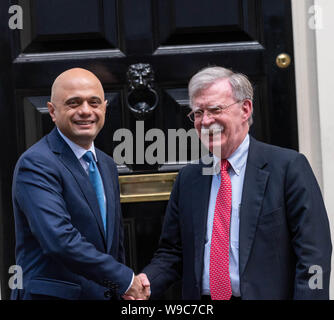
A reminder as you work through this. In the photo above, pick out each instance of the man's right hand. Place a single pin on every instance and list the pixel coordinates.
(140, 289)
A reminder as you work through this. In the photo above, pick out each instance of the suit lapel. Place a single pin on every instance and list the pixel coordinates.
(255, 182)
(68, 158)
(200, 202)
(109, 187)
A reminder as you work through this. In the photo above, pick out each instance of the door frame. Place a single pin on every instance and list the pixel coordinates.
(314, 86)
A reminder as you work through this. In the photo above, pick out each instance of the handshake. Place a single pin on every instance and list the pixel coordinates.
(140, 289)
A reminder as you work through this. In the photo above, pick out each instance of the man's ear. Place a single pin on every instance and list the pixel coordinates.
(51, 109)
(247, 108)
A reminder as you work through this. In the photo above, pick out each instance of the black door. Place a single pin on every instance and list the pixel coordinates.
(174, 39)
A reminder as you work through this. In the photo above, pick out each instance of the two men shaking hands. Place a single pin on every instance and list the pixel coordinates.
(250, 230)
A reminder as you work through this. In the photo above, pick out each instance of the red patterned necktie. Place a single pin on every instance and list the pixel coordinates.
(220, 283)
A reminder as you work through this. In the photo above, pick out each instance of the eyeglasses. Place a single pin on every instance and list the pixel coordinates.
(212, 111)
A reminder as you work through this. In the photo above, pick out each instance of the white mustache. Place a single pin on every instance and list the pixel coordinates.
(215, 128)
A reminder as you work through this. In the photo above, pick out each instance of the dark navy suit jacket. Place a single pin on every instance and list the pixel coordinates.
(60, 241)
(284, 230)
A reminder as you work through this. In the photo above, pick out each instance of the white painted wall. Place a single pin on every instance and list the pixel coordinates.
(325, 64)
(314, 65)
(307, 86)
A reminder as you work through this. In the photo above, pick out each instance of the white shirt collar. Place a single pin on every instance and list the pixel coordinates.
(78, 151)
(237, 159)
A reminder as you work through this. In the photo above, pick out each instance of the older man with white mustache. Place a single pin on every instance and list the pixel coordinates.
(253, 230)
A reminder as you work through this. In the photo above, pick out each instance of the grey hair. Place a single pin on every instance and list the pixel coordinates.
(241, 87)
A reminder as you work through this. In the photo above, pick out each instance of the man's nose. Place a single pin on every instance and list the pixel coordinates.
(85, 109)
(207, 120)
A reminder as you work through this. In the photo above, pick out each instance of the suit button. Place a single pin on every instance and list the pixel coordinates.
(114, 286)
(107, 294)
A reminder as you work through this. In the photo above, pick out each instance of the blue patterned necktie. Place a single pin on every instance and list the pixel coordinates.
(96, 181)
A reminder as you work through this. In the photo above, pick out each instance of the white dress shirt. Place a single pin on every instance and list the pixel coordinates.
(237, 173)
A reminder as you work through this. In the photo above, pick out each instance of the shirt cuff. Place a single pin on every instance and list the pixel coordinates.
(133, 276)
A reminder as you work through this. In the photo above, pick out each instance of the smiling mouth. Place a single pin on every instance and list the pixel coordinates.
(84, 123)
(211, 132)
(215, 131)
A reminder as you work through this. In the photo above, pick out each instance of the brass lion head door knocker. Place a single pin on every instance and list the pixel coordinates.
(142, 99)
